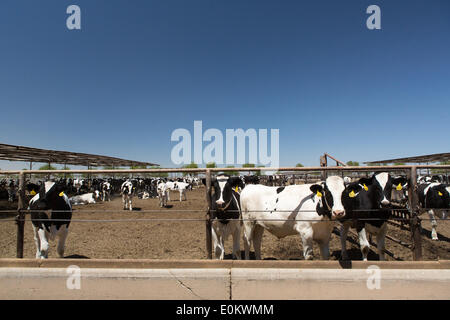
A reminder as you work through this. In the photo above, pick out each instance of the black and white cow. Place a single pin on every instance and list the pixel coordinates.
(306, 210)
(225, 206)
(368, 206)
(435, 200)
(11, 190)
(127, 189)
(105, 187)
(51, 197)
(163, 191)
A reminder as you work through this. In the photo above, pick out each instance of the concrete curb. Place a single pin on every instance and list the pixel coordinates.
(228, 264)
(152, 280)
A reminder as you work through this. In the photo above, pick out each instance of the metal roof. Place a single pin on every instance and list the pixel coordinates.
(20, 153)
(417, 159)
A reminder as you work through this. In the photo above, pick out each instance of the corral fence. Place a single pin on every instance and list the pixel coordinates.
(410, 217)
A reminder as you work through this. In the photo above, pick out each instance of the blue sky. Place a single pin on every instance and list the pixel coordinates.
(137, 70)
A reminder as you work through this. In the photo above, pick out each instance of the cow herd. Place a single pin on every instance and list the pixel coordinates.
(242, 207)
(310, 211)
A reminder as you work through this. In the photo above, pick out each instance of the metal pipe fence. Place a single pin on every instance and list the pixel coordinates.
(410, 171)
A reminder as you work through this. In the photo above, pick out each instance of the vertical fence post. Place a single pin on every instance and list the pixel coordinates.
(20, 218)
(208, 215)
(415, 221)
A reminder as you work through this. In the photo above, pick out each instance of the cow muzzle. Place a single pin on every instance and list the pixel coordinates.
(338, 213)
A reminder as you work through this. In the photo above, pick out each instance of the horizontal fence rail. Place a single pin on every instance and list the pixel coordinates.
(410, 170)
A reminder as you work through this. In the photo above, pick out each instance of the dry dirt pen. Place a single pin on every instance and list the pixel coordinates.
(179, 233)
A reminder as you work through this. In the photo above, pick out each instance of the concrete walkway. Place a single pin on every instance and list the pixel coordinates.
(221, 280)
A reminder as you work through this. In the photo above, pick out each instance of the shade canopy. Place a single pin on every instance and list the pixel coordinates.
(20, 153)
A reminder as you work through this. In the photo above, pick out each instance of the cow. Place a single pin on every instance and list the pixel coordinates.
(181, 187)
(106, 191)
(51, 197)
(11, 191)
(307, 210)
(225, 209)
(127, 189)
(87, 198)
(368, 206)
(435, 200)
(162, 193)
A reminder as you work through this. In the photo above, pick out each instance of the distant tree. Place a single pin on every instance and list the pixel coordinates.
(192, 165)
(259, 173)
(211, 165)
(47, 167)
(248, 165)
(299, 165)
(232, 173)
(353, 163)
(440, 171)
(399, 164)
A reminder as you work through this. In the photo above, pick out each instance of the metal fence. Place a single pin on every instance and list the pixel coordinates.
(411, 215)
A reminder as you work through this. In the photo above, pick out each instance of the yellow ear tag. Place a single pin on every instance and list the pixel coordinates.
(352, 194)
(319, 194)
(365, 187)
(440, 193)
(61, 194)
(236, 189)
(33, 193)
(399, 187)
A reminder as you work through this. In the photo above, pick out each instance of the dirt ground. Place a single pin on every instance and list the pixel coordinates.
(186, 239)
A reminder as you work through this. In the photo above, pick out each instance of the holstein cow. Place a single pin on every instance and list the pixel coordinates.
(434, 198)
(106, 191)
(162, 193)
(306, 210)
(127, 190)
(181, 187)
(368, 203)
(51, 197)
(225, 206)
(86, 198)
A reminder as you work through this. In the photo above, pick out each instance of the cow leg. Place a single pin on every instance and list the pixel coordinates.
(181, 194)
(63, 231)
(381, 237)
(130, 203)
(257, 240)
(434, 235)
(44, 243)
(307, 240)
(37, 241)
(248, 236)
(218, 244)
(236, 240)
(324, 250)
(124, 202)
(168, 195)
(363, 243)
(344, 231)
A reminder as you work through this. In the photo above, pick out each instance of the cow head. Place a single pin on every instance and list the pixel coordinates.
(330, 196)
(380, 186)
(50, 194)
(223, 186)
(128, 188)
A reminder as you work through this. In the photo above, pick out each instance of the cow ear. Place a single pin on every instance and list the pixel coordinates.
(316, 188)
(402, 181)
(235, 182)
(366, 181)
